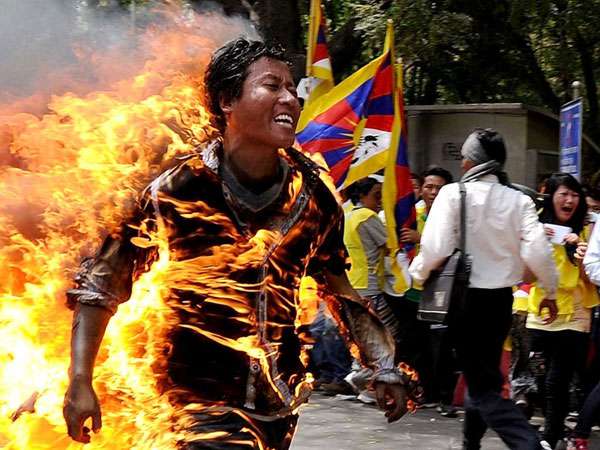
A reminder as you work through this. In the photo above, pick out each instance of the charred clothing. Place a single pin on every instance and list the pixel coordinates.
(241, 432)
(233, 275)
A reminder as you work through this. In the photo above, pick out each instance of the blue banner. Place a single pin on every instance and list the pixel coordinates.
(571, 119)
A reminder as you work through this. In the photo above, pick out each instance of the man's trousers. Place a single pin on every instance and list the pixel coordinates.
(212, 429)
(479, 329)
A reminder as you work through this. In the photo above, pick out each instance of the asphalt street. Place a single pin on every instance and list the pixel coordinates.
(334, 424)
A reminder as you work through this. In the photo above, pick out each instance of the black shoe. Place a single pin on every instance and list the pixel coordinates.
(337, 388)
(447, 411)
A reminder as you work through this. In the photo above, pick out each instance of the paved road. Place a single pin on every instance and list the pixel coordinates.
(328, 423)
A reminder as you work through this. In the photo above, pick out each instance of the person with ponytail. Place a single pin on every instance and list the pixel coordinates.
(503, 236)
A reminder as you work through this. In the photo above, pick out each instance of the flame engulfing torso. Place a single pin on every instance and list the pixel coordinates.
(70, 175)
(231, 280)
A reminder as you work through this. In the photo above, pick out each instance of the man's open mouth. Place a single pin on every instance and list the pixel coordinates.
(284, 119)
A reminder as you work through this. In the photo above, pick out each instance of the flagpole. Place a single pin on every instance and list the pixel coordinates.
(312, 24)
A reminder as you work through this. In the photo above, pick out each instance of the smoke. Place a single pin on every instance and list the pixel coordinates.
(50, 47)
(64, 63)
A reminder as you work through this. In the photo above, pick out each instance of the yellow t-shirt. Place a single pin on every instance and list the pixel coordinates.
(570, 282)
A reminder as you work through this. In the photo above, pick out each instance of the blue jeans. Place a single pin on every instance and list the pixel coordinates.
(329, 354)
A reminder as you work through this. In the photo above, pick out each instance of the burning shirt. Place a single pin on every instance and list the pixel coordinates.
(232, 275)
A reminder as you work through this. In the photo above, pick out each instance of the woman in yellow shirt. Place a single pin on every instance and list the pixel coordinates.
(562, 343)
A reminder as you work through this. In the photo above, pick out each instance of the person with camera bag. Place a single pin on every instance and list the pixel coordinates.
(502, 237)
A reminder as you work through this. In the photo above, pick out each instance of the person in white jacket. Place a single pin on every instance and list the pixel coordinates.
(503, 237)
(591, 408)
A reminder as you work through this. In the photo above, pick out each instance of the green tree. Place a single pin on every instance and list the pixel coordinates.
(454, 51)
(459, 51)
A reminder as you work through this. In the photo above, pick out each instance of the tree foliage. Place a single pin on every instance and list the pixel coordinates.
(454, 51)
(460, 51)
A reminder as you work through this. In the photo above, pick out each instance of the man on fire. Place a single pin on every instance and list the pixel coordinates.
(244, 219)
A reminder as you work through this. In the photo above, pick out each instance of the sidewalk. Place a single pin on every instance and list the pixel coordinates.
(333, 424)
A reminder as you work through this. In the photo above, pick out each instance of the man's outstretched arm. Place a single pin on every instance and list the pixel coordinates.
(81, 402)
(394, 386)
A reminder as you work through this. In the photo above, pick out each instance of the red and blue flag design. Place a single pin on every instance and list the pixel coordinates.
(359, 128)
(398, 190)
(318, 64)
(354, 133)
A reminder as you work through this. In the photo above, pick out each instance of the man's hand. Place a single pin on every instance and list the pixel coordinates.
(392, 399)
(81, 403)
(550, 305)
(408, 235)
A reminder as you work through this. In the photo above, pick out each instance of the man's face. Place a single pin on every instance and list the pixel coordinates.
(267, 111)
(431, 188)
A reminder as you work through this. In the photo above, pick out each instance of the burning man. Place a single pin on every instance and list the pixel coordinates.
(244, 219)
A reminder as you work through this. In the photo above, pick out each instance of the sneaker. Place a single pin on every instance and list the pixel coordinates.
(447, 411)
(366, 397)
(545, 445)
(351, 380)
(577, 444)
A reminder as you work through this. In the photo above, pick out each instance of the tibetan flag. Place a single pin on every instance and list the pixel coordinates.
(318, 63)
(351, 125)
(397, 192)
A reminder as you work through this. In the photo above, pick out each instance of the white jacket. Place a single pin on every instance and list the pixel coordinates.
(503, 236)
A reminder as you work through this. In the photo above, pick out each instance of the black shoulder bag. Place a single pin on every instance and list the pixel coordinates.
(445, 289)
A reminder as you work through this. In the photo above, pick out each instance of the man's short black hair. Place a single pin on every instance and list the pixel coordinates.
(227, 70)
(592, 192)
(438, 172)
(359, 188)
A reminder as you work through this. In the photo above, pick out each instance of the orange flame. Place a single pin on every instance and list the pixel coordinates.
(67, 177)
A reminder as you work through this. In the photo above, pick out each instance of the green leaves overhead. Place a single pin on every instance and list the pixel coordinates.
(461, 51)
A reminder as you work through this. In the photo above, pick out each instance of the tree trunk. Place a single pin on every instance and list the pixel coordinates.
(537, 79)
(279, 22)
(344, 47)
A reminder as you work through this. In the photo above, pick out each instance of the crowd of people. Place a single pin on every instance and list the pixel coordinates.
(533, 291)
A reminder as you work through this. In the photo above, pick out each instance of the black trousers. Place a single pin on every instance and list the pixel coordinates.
(563, 352)
(233, 430)
(479, 329)
(413, 343)
(428, 349)
(588, 415)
